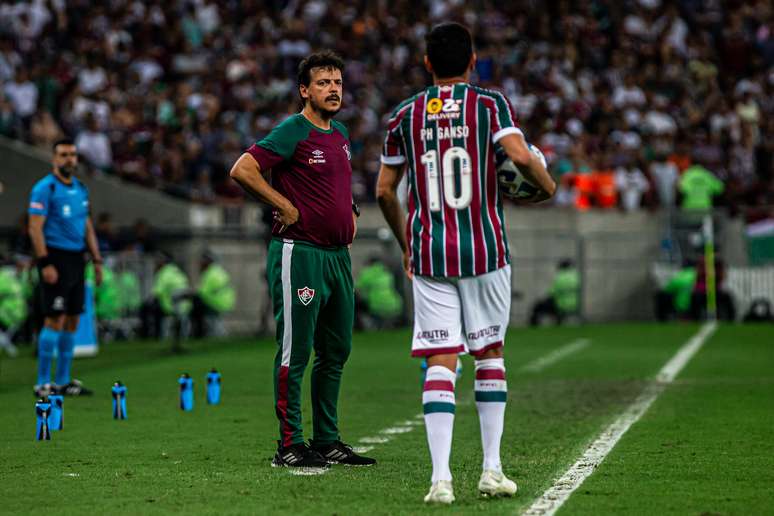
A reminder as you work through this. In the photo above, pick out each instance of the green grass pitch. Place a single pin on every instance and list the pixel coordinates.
(706, 446)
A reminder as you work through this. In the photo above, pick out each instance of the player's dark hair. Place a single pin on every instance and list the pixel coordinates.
(324, 59)
(62, 141)
(449, 49)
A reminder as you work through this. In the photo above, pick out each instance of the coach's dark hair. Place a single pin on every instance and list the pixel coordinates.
(62, 141)
(324, 59)
(449, 48)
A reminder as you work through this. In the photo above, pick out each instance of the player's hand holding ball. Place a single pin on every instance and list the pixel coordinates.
(515, 183)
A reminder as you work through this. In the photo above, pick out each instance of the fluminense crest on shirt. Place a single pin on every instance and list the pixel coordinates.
(305, 295)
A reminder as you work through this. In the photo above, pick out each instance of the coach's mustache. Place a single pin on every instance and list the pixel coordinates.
(333, 97)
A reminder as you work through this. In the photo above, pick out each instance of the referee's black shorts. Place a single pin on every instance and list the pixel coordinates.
(67, 295)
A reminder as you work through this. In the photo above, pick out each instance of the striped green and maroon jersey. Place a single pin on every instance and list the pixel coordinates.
(446, 135)
(310, 167)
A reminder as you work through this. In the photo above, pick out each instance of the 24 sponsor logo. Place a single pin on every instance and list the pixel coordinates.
(446, 109)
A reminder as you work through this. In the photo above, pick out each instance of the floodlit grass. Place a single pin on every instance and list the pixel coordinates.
(705, 446)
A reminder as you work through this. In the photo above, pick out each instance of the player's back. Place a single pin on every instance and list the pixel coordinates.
(446, 135)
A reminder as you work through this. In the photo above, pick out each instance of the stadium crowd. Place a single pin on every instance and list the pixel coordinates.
(622, 96)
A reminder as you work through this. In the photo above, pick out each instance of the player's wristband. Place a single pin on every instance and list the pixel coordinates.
(356, 209)
(44, 261)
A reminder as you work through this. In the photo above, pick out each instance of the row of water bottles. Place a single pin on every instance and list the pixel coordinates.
(187, 390)
(49, 411)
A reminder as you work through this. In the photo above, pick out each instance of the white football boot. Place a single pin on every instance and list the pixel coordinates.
(440, 492)
(495, 483)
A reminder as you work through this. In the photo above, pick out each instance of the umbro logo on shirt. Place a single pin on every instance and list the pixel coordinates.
(318, 156)
(305, 295)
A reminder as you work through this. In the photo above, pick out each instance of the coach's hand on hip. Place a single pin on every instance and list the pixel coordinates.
(50, 274)
(286, 215)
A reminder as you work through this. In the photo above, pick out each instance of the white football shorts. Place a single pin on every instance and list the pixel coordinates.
(456, 315)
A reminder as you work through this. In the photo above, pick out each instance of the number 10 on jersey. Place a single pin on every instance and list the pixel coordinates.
(455, 200)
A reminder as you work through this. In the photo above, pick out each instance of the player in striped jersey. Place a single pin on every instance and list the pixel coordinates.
(454, 242)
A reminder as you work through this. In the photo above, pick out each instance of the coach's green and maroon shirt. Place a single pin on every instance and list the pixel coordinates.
(310, 167)
(446, 135)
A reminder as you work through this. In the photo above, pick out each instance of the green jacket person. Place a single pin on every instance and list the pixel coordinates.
(309, 269)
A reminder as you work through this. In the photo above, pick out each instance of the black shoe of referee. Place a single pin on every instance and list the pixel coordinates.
(74, 388)
(339, 453)
(298, 456)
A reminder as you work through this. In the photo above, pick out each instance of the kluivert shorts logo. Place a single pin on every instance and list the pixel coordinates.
(305, 295)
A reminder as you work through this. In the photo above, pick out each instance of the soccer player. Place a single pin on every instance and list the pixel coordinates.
(60, 229)
(454, 242)
(309, 267)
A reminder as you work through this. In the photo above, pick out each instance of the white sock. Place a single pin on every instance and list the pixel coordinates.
(491, 391)
(439, 404)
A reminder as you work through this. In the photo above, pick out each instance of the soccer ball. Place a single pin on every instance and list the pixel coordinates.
(512, 182)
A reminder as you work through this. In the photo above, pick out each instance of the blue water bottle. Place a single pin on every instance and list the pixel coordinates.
(56, 419)
(213, 387)
(186, 392)
(43, 411)
(119, 400)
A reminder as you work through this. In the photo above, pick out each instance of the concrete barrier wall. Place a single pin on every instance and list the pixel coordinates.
(21, 166)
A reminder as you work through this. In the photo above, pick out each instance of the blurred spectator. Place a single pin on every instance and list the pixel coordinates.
(631, 184)
(674, 300)
(139, 238)
(94, 145)
(13, 306)
(106, 234)
(170, 300)
(178, 87)
(23, 94)
(379, 304)
(699, 186)
(665, 176)
(214, 296)
(563, 299)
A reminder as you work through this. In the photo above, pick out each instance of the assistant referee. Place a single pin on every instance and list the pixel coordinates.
(60, 229)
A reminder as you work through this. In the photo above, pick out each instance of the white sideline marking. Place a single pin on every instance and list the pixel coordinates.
(362, 449)
(307, 472)
(397, 430)
(374, 440)
(558, 493)
(555, 356)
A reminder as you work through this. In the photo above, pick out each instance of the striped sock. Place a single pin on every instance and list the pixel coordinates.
(438, 404)
(491, 393)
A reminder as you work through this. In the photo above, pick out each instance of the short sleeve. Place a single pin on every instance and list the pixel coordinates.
(39, 199)
(279, 145)
(504, 118)
(393, 148)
